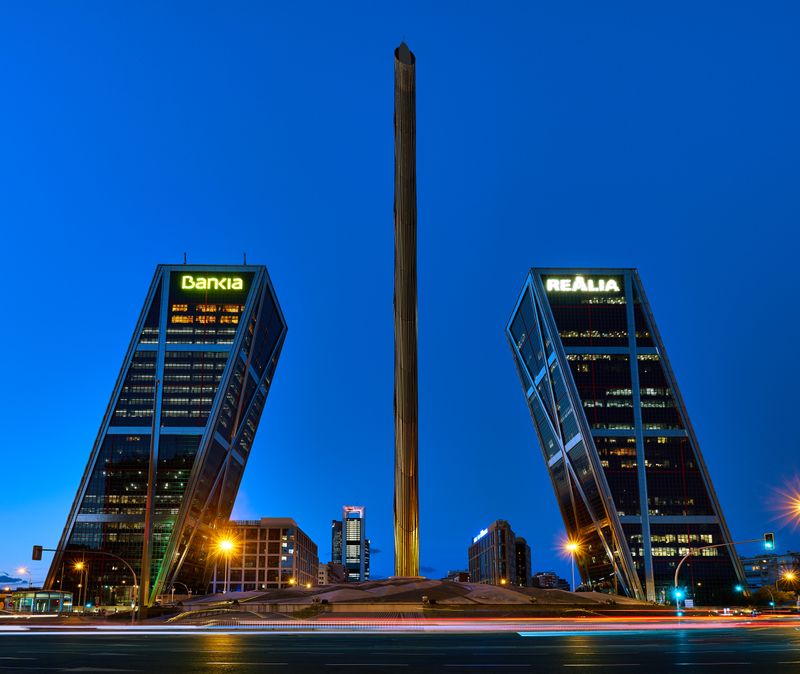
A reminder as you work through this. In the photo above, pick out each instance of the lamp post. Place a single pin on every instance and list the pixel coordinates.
(177, 582)
(105, 554)
(695, 551)
(22, 571)
(225, 547)
(80, 567)
(572, 547)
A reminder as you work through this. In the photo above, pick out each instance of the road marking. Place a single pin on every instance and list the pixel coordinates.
(581, 633)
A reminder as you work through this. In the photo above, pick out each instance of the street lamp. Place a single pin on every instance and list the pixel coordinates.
(80, 567)
(225, 546)
(186, 587)
(22, 571)
(572, 548)
(788, 576)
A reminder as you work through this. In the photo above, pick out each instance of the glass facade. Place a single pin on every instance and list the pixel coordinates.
(41, 602)
(349, 544)
(615, 436)
(200, 363)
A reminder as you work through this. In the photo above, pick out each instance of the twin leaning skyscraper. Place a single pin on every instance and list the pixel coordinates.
(626, 467)
(190, 394)
(623, 459)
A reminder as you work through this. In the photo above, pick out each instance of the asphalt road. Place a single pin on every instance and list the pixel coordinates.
(734, 650)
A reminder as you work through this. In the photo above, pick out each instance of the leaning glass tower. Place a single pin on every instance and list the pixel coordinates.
(190, 393)
(625, 464)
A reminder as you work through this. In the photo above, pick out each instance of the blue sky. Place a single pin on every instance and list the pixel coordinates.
(663, 137)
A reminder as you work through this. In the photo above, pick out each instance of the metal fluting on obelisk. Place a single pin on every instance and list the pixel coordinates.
(406, 492)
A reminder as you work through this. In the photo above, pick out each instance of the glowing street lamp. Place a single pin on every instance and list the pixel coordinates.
(789, 576)
(572, 548)
(82, 570)
(22, 571)
(225, 547)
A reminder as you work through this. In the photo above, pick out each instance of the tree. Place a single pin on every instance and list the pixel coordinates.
(764, 595)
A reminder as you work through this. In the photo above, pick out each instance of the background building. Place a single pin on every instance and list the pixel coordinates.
(549, 579)
(191, 390)
(522, 561)
(350, 546)
(331, 574)
(336, 541)
(269, 553)
(767, 568)
(493, 556)
(626, 466)
(457, 576)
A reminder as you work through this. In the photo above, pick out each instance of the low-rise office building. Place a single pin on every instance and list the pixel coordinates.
(493, 556)
(270, 553)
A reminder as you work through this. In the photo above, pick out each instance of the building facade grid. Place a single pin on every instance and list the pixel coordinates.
(616, 438)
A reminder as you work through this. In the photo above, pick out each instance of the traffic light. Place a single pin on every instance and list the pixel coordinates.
(37, 553)
(739, 588)
(769, 541)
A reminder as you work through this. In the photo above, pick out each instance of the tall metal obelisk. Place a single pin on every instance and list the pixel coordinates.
(406, 491)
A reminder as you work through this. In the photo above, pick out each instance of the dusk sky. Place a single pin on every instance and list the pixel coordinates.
(663, 137)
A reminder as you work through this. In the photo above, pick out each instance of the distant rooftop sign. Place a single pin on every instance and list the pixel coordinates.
(582, 285)
(480, 535)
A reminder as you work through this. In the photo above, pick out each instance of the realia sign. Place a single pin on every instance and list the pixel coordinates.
(582, 285)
